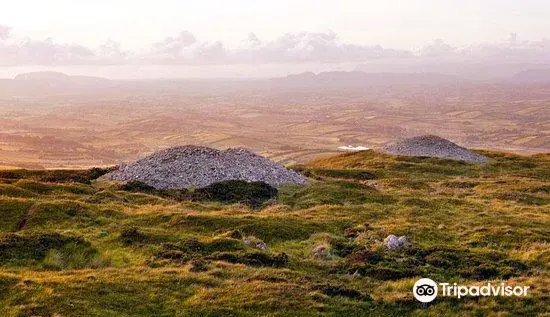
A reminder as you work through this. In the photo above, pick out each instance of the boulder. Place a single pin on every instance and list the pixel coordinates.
(393, 242)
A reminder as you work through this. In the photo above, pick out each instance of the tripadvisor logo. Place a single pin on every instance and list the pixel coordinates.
(425, 290)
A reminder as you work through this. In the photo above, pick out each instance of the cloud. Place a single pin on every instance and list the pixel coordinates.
(4, 32)
(111, 53)
(174, 48)
(318, 47)
(289, 48)
(310, 47)
(210, 53)
(438, 48)
(185, 49)
(512, 50)
(46, 52)
(30, 52)
(253, 40)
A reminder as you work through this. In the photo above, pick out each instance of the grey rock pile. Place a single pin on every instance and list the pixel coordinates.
(433, 146)
(196, 166)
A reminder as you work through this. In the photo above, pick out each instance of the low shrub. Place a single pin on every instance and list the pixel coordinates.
(12, 212)
(14, 191)
(133, 236)
(333, 193)
(253, 194)
(55, 212)
(450, 262)
(253, 258)
(137, 186)
(407, 183)
(268, 229)
(460, 184)
(524, 198)
(345, 174)
(331, 290)
(57, 176)
(53, 250)
(192, 249)
(236, 191)
(199, 265)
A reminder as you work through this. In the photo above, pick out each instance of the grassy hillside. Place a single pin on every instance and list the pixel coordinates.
(74, 246)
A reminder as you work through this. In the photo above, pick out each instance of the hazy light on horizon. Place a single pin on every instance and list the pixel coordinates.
(104, 33)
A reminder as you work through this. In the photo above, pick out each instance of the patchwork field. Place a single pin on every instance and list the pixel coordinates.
(72, 245)
(106, 127)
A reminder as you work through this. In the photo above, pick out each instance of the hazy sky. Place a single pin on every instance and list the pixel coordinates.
(405, 24)
(223, 32)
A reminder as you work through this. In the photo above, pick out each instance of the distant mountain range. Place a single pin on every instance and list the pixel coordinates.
(356, 78)
(56, 78)
(496, 71)
(533, 76)
(54, 83)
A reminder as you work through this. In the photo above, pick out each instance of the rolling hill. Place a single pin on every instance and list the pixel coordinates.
(72, 245)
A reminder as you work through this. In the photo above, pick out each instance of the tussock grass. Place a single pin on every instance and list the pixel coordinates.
(69, 241)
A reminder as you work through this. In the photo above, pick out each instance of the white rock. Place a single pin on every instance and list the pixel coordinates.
(393, 242)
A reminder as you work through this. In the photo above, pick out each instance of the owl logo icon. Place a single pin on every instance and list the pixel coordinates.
(425, 290)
